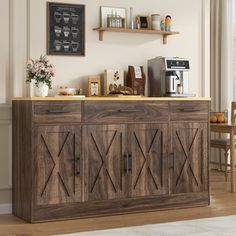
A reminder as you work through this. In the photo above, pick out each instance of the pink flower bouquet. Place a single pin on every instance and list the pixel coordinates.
(40, 71)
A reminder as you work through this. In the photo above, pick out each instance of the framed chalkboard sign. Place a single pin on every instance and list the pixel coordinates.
(65, 29)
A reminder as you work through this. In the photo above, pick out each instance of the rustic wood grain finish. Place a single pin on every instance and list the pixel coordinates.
(190, 157)
(22, 159)
(189, 111)
(114, 207)
(57, 111)
(57, 165)
(104, 150)
(125, 111)
(124, 152)
(148, 149)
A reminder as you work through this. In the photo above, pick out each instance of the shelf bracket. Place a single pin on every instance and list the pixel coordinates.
(165, 39)
(101, 35)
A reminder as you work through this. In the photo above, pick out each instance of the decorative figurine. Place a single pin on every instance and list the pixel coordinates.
(168, 23)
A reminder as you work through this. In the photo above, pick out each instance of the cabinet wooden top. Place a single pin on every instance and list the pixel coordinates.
(131, 98)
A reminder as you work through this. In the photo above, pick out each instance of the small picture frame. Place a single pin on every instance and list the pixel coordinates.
(113, 17)
(145, 22)
(94, 86)
(65, 29)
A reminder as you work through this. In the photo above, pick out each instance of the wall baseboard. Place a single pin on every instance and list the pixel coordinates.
(5, 209)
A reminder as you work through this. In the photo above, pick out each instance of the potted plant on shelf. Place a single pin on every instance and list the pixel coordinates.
(41, 72)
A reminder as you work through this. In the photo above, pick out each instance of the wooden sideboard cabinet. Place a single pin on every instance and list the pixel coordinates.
(74, 158)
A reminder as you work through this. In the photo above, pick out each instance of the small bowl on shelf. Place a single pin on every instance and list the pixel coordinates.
(219, 117)
(65, 91)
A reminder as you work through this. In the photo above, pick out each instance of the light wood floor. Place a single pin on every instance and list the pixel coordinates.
(223, 202)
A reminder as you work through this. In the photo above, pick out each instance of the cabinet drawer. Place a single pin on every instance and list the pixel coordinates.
(190, 110)
(125, 111)
(57, 111)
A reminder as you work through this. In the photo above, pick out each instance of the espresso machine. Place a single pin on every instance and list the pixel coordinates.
(168, 77)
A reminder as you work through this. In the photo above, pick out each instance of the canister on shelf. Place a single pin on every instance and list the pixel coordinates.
(156, 22)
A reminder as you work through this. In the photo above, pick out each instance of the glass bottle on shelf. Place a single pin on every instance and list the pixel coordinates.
(113, 21)
(117, 25)
(138, 26)
(131, 19)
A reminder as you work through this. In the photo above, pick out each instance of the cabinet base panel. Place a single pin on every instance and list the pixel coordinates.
(115, 207)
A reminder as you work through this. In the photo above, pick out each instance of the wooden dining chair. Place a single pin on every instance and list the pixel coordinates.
(224, 144)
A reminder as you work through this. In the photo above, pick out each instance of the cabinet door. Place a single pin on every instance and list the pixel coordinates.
(103, 147)
(57, 164)
(148, 151)
(189, 157)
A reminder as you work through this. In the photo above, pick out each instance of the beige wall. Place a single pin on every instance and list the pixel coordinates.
(120, 50)
(24, 26)
(4, 49)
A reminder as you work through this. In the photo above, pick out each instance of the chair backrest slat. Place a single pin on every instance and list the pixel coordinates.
(233, 112)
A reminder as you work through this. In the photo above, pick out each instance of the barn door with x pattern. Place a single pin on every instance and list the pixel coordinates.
(148, 149)
(189, 157)
(58, 161)
(104, 149)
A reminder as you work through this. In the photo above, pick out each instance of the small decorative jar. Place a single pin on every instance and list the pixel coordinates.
(156, 23)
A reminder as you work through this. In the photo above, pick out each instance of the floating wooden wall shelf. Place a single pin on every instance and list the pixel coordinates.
(165, 34)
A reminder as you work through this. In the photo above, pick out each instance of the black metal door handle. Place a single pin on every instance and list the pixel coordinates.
(189, 110)
(57, 111)
(129, 162)
(172, 160)
(78, 172)
(126, 163)
(128, 110)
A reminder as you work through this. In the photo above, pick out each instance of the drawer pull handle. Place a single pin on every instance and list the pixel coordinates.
(57, 111)
(189, 110)
(130, 162)
(128, 110)
(172, 160)
(126, 163)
